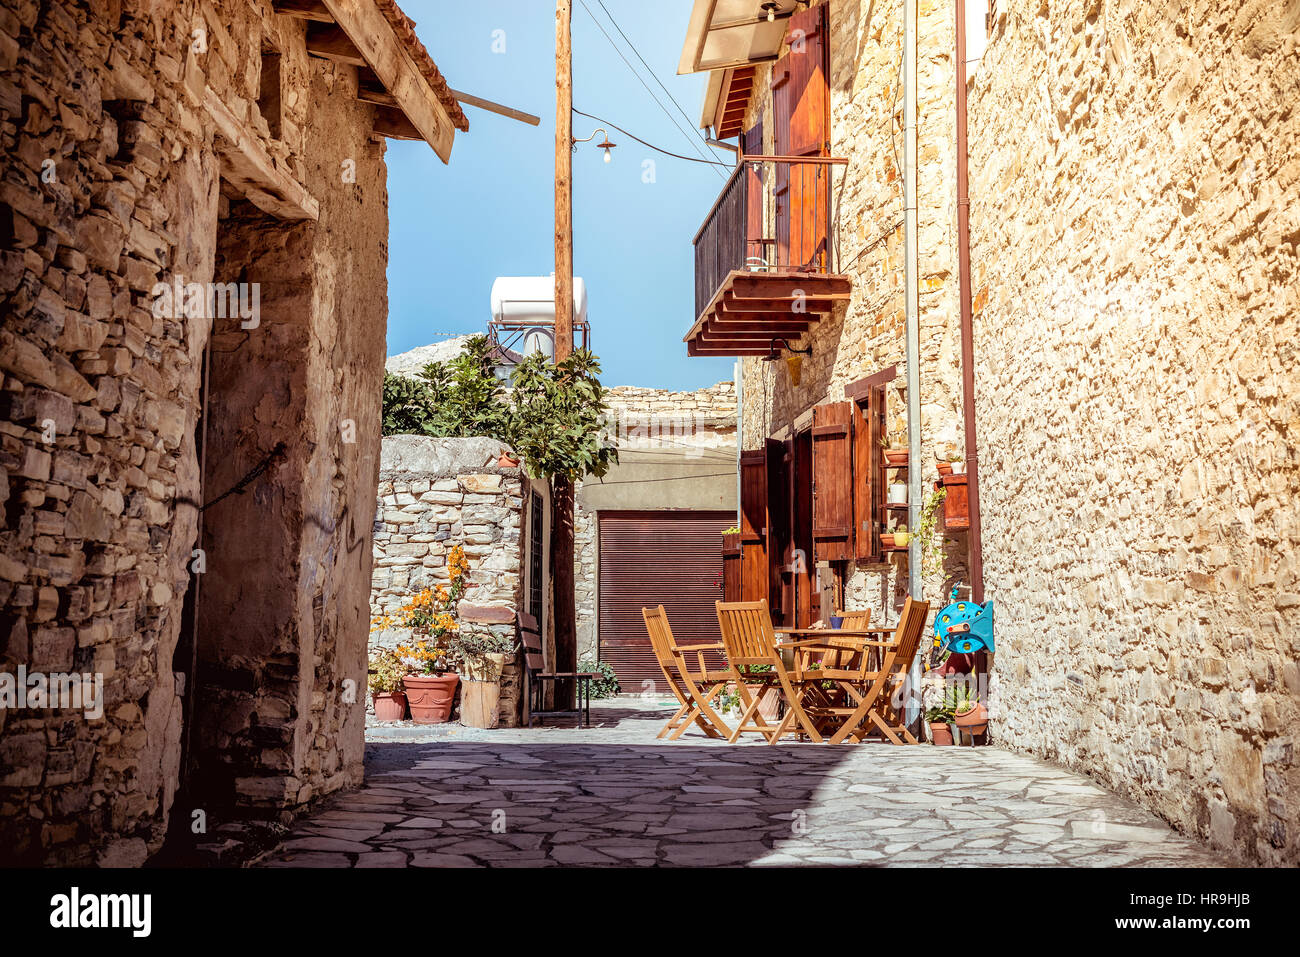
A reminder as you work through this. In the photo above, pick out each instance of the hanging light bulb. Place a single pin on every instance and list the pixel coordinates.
(770, 7)
(607, 146)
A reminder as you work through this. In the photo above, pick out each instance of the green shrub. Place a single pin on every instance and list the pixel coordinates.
(606, 686)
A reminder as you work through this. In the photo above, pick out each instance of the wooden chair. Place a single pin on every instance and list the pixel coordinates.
(750, 641)
(872, 689)
(836, 660)
(694, 687)
(537, 677)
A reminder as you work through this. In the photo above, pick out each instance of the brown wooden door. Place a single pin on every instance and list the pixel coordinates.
(800, 563)
(801, 104)
(753, 525)
(778, 527)
(832, 470)
(657, 558)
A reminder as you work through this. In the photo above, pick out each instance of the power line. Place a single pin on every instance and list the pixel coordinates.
(643, 83)
(647, 66)
(657, 149)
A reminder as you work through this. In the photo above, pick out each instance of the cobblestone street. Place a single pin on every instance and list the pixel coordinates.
(447, 796)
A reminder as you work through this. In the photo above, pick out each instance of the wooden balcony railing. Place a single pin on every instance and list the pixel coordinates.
(772, 217)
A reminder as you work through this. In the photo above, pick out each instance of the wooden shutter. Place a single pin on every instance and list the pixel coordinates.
(778, 525)
(801, 105)
(753, 525)
(832, 473)
(868, 490)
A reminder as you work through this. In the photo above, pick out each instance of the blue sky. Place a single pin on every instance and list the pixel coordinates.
(490, 212)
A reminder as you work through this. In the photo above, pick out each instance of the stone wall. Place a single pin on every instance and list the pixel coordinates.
(688, 438)
(433, 495)
(1135, 218)
(111, 186)
(866, 334)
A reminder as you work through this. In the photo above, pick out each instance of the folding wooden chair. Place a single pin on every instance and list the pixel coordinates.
(750, 641)
(695, 688)
(872, 689)
(835, 660)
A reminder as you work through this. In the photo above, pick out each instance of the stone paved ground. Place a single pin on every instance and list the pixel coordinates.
(612, 795)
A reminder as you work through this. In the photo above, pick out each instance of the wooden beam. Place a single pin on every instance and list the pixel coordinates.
(732, 304)
(303, 10)
(370, 90)
(862, 387)
(471, 100)
(330, 42)
(744, 285)
(394, 125)
(370, 31)
(248, 167)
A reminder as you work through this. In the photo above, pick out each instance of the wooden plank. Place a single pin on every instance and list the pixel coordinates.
(470, 100)
(861, 388)
(370, 90)
(782, 285)
(303, 10)
(247, 166)
(370, 31)
(331, 42)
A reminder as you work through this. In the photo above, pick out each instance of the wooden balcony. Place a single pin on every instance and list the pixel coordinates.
(764, 262)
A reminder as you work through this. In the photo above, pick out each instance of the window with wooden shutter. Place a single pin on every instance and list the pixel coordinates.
(868, 491)
(801, 106)
(753, 525)
(832, 473)
(778, 525)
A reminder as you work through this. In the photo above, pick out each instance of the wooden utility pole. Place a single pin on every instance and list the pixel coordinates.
(562, 492)
(563, 179)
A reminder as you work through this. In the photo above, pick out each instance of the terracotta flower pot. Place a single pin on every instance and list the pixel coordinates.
(896, 456)
(431, 697)
(389, 706)
(945, 468)
(507, 461)
(940, 733)
(887, 539)
(974, 721)
(769, 701)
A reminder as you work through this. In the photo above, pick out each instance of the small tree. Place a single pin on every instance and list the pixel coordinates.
(559, 427)
(460, 398)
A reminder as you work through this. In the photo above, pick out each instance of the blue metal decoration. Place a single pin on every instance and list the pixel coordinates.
(963, 627)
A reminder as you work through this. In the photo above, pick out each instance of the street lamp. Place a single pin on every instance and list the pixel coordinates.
(604, 144)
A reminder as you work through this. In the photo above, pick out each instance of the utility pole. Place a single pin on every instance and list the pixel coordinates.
(564, 602)
(563, 179)
(911, 307)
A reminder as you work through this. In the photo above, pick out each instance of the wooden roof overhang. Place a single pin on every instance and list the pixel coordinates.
(726, 38)
(394, 70)
(752, 310)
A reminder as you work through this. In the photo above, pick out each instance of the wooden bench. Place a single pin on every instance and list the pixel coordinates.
(535, 667)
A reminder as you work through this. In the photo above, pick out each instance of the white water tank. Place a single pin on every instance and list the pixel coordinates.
(531, 299)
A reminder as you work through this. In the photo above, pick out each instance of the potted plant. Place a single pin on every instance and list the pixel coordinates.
(969, 713)
(898, 493)
(430, 683)
(894, 456)
(901, 536)
(385, 682)
(939, 719)
(957, 462)
(769, 698)
(887, 540)
(483, 659)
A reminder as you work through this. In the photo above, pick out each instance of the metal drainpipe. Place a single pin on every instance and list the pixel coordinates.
(967, 323)
(911, 306)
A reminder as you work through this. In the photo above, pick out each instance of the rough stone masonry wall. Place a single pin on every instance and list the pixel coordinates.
(867, 334)
(110, 186)
(641, 417)
(433, 495)
(1136, 216)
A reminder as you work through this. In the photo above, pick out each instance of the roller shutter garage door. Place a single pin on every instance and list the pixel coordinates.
(672, 559)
